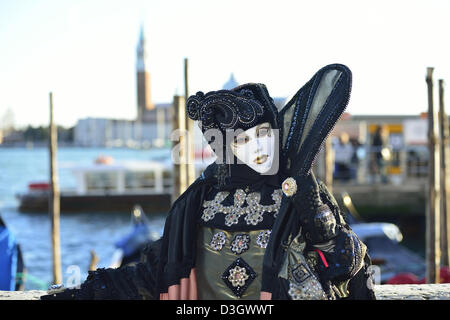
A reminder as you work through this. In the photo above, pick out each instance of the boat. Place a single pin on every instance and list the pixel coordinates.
(129, 247)
(12, 267)
(393, 261)
(109, 185)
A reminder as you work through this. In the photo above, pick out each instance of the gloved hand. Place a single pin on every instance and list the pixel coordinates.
(316, 218)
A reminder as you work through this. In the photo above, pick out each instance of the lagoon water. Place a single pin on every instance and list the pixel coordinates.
(80, 232)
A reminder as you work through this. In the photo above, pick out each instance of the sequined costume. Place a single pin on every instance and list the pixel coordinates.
(237, 234)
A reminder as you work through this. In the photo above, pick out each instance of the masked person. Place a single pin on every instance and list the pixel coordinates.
(256, 224)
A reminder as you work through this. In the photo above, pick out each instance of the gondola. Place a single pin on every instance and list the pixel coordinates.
(12, 267)
(129, 247)
(394, 262)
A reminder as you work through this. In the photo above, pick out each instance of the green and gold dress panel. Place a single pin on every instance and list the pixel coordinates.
(229, 263)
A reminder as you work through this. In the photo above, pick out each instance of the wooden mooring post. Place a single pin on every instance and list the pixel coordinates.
(183, 152)
(190, 131)
(179, 148)
(54, 199)
(445, 170)
(433, 255)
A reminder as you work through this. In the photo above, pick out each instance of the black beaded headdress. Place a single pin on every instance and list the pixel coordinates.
(240, 108)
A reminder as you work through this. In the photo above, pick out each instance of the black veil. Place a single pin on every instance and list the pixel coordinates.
(305, 122)
(309, 117)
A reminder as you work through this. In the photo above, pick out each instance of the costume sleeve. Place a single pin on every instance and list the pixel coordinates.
(163, 263)
(133, 282)
(340, 252)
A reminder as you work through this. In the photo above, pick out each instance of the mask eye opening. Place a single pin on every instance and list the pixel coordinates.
(240, 140)
(264, 130)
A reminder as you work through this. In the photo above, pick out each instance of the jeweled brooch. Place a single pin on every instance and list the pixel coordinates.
(218, 240)
(240, 243)
(238, 276)
(289, 187)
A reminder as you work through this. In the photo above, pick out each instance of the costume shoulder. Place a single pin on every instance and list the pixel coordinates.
(206, 178)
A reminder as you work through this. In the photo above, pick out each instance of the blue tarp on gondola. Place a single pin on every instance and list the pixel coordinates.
(135, 240)
(8, 259)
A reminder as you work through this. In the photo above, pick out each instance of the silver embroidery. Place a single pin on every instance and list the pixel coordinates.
(240, 243)
(253, 211)
(218, 240)
(263, 239)
(308, 290)
(212, 206)
(277, 195)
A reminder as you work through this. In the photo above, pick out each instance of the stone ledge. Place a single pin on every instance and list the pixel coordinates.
(22, 295)
(382, 292)
(413, 292)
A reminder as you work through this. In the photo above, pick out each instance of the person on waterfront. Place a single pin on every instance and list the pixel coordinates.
(379, 165)
(343, 154)
(256, 224)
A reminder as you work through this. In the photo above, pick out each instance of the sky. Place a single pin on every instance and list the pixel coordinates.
(84, 51)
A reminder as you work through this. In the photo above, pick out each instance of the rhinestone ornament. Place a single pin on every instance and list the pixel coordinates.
(218, 240)
(240, 243)
(289, 187)
(263, 238)
(238, 276)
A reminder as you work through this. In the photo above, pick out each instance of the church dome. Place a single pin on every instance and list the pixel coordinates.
(231, 83)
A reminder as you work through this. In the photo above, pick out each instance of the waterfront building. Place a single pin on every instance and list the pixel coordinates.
(405, 144)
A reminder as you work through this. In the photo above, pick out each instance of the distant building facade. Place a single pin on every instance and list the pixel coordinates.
(100, 132)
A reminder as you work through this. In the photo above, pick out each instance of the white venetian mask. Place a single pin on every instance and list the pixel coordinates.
(255, 147)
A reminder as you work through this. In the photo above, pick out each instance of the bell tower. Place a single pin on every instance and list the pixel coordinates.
(144, 96)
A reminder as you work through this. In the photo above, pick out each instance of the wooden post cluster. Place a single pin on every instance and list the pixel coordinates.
(54, 199)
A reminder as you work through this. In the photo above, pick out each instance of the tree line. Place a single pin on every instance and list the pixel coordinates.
(37, 134)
